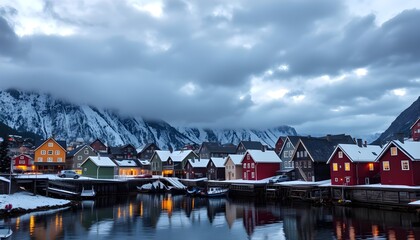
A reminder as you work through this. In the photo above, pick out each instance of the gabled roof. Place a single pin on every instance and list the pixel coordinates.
(218, 162)
(162, 154)
(319, 150)
(146, 146)
(76, 150)
(263, 157)
(126, 163)
(339, 139)
(101, 161)
(248, 145)
(98, 141)
(358, 154)
(411, 149)
(199, 163)
(62, 144)
(292, 139)
(418, 119)
(215, 147)
(236, 159)
(19, 155)
(179, 156)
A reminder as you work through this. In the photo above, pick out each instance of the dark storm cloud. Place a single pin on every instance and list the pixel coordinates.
(196, 63)
(9, 42)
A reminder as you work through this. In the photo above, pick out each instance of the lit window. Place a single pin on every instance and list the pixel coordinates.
(347, 166)
(340, 154)
(405, 165)
(394, 151)
(335, 167)
(50, 144)
(385, 166)
(371, 167)
(43, 152)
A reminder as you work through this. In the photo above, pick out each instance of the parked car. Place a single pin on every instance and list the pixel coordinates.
(279, 178)
(68, 174)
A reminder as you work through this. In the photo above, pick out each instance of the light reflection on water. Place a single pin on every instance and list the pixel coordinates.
(178, 217)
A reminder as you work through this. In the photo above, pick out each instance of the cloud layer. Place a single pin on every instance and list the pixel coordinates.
(319, 66)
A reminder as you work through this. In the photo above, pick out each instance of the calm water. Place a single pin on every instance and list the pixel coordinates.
(178, 217)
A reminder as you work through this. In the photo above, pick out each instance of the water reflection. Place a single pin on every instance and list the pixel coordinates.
(177, 217)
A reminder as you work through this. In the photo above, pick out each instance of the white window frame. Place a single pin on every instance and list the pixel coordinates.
(50, 152)
(79, 158)
(340, 154)
(383, 166)
(394, 151)
(252, 174)
(50, 144)
(57, 152)
(43, 152)
(59, 159)
(40, 159)
(252, 165)
(49, 159)
(403, 162)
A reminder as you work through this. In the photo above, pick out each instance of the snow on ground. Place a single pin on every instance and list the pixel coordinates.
(415, 202)
(28, 201)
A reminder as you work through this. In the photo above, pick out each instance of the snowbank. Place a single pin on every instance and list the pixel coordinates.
(27, 202)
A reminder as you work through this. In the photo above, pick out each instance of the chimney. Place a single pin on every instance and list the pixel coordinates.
(359, 142)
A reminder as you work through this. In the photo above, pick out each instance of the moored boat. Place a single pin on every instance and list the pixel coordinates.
(154, 187)
(5, 232)
(215, 192)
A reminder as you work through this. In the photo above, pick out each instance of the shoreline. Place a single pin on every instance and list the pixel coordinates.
(25, 202)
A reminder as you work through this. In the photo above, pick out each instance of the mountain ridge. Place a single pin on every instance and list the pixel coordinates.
(47, 116)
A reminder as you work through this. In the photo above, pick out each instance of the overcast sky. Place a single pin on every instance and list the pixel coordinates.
(322, 66)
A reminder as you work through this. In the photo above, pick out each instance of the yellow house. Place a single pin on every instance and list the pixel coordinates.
(50, 156)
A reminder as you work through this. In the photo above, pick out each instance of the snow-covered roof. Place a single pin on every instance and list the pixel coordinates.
(144, 162)
(235, 158)
(358, 154)
(218, 162)
(126, 163)
(263, 157)
(101, 161)
(199, 163)
(179, 156)
(163, 155)
(410, 148)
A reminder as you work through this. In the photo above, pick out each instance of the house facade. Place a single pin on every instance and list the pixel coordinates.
(75, 158)
(257, 165)
(180, 159)
(286, 153)
(310, 159)
(233, 167)
(50, 156)
(157, 160)
(352, 164)
(99, 146)
(415, 130)
(98, 167)
(23, 163)
(399, 163)
(279, 144)
(127, 151)
(196, 168)
(128, 168)
(216, 169)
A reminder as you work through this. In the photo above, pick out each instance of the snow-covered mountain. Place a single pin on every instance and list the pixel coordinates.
(47, 116)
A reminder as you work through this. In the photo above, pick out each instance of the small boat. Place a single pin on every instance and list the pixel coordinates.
(194, 191)
(215, 192)
(154, 187)
(5, 232)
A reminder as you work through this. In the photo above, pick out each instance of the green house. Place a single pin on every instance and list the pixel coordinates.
(98, 167)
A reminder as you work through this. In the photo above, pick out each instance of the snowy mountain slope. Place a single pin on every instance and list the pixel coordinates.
(47, 116)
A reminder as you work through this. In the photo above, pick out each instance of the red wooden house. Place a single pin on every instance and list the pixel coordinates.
(415, 130)
(23, 162)
(257, 165)
(399, 163)
(351, 164)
